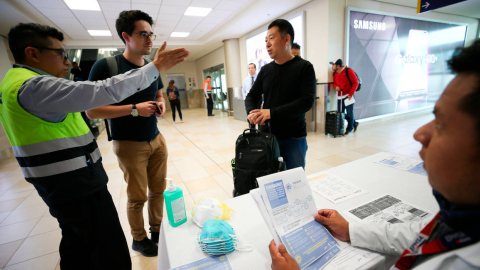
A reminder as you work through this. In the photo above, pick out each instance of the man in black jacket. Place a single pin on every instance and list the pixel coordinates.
(288, 85)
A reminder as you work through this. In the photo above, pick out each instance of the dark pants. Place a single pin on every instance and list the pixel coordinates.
(349, 116)
(293, 151)
(176, 104)
(209, 104)
(92, 237)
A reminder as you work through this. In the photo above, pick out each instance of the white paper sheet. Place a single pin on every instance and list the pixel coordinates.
(388, 209)
(403, 163)
(349, 102)
(290, 205)
(257, 197)
(334, 188)
(350, 257)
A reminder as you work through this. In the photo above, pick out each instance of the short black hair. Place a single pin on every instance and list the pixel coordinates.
(209, 77)
(255, 66)
(296, 46)
(126, 21)
(465, 60)
(30, 35)
(285, 28)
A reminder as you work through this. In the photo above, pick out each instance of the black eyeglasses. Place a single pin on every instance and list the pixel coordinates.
(145, 35)
(62, 52)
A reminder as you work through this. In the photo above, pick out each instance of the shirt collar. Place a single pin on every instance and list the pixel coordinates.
(39, 71)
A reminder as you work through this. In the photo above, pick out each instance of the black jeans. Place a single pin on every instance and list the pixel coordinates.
(173, 104)
(349, 116)
(92, 237)
(210, 104)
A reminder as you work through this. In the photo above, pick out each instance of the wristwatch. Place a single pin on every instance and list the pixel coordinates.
(134, 112)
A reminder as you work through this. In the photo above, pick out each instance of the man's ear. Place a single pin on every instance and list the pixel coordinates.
(32, 54)
(126, 37)
(287, 39)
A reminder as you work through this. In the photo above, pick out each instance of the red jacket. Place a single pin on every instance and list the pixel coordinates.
(342, 81)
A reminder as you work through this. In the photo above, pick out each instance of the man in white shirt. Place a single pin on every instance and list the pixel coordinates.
(451, 154)
(249, 80)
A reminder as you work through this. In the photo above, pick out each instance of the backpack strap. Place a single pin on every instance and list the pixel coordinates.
(348, 77)
(113, 70)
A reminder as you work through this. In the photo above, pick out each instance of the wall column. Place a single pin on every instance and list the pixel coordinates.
(232, 71)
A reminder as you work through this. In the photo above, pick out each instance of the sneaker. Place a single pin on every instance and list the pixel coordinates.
(347, 132)
(355, 126)
(211, 115)
(181, 121)
(154, 236)
(146, 247)
(173, 122)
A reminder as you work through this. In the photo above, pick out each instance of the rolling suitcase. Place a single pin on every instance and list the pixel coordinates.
(335, 123)
(256, 154)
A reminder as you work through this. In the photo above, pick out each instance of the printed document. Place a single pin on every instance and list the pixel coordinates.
(404, 163)
(334, 188)
(390, 209)
(288, 200)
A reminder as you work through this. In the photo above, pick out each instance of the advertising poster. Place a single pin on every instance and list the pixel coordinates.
(402, 62)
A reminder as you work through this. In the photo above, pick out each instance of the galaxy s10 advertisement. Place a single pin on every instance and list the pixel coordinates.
(402, 62)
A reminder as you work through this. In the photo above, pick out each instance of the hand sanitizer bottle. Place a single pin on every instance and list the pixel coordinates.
(175, 204)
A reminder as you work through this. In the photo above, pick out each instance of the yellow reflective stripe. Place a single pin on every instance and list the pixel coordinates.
(60, 167)
(52, 146)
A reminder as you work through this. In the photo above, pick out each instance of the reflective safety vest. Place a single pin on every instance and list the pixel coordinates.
(61, 160)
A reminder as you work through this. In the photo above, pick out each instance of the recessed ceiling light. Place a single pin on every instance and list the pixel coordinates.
(83, 4)
(179, 34)
(100, 33)
(197, 11)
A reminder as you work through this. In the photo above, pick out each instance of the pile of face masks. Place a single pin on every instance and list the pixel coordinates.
(210, 208)
(217, 238)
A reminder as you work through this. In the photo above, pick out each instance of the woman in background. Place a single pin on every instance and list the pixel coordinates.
(174, 97)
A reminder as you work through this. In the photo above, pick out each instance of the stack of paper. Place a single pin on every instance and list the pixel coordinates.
(288, 208)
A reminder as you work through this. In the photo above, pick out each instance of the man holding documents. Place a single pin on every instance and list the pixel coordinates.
(451, 239)
(346, 83)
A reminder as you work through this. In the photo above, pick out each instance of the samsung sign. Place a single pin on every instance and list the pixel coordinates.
(369, 25)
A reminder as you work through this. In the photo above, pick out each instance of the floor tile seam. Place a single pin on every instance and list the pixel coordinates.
(198, 148)
(23, 240)
(7, 265)
(19, 221)
(36, 226)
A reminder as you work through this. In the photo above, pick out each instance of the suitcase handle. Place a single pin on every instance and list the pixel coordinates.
(253, 126)
(250, 125)
(251, 130)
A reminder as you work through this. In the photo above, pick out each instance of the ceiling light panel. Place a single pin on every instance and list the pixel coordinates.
(197, 11)
(100, 33)
(82, 5)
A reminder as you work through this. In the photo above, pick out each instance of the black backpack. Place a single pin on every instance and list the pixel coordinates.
(256, 155)
(113, 70)
(358, 77)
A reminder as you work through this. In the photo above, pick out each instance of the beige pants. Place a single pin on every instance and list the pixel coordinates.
(144, 165)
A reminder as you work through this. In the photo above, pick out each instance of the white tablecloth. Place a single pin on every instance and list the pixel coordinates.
(178, 246)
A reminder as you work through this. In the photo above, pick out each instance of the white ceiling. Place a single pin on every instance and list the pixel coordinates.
(167, 15)
(228, 19)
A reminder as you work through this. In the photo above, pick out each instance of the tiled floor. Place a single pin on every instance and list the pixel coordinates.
(200, 150)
